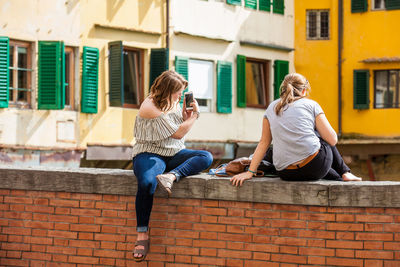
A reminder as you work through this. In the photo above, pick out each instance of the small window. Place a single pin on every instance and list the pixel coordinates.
(387, 88)
(378, 4)
(317, 24)
(257, 93)
(20, 93)
(69, 78)
(133, 90)
(201, 80)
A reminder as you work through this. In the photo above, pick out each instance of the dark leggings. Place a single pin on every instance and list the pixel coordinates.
(328, 165)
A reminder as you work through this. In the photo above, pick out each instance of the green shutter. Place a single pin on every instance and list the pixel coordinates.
(264, 5)
(241, 81)
(159, 62)
(281, 69)
(4, 72)
(224, 87)
(51, 76)
(234, 2)
(359, 6)
(181, 67)
(361, 89)
(250, 4)
(392, 4)
(116, 74)
(279, 6)
(90, 76)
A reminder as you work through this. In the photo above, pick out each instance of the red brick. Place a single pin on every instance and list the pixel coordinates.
(85, 228)
(373, 245)
(86, 220)
(234, 220)
(288, 224)
(209, 219)
(183, 250)
(4, 192)
(345, 235)
(62, 234)
(108, 253)
(4, 206)
(209, 227)
(344, 244)
(373, 227)
(36, 256)
(40, 217)
(111, 221)
(261, 256)
(234, 237)
(208, 260)
(315, 260)
(253, 263)
(344, 262)
(211, 252)
(288, 233)
(84, 244)
(18, 215)
(183, 225)
(184, 242)
(40, 225)
(209, 244)
(84, 260)
(109, 237)
(61, 242)
(392, 228)
(12, 254)
(289, 258)
(236, 204)
(391, 246)
(41, 201)
(344, 253)
(20, 200)
(64, 203)
(317, 234)
(109, 262)
(386, 255)
(236, 212)
(110, 205)
(234, 262)
(14, 262)
(290, 215)
(288, 250)
(392, 211)
(61, 250)
(16, 231)
(375, 263)
(374, 236)
(62, 226)
(15, 223)
(15, 246)
(235, 245)
(262, 214)
(345, 217)
(345, 227)
(38, 248)
(86, 212)
(374, 218)
(261, 231)
(291, 241)
(39, 209)
(235, 229)
(38, 240)
(184, 234)
(317, 251)
(85, 236)
(89, 204)
(316, 243)
(62, 218)
(317, 216)
(39, 232)
(261, 247)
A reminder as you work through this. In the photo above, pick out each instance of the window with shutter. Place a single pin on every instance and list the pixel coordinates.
(116, 66)
(224, 87)
(51, 75)
(250, 4)
(241, 80)
(181, 67)
(90, 76)
(69, 64)
(4, 73)
(392, 4)
(279, 6)
(361, 89)
(281, 69)
(234, 2)
(159, 62)
(358, 6)
(264, 5)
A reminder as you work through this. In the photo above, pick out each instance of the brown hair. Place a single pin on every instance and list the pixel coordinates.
(290, 90)
(168, 83)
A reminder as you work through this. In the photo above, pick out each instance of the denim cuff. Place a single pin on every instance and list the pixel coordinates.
(142, 229)
(177, 175)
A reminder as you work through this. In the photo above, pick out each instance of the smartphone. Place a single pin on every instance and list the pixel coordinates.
(188, 100)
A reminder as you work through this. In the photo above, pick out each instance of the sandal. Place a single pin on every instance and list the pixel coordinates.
(143, 251)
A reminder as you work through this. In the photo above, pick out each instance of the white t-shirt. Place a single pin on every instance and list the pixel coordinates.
(293, 132)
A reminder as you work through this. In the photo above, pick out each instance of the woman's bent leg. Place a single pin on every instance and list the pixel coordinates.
(188, 162)
(146, 167)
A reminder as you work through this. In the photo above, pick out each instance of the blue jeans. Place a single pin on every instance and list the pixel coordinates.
(147, 166)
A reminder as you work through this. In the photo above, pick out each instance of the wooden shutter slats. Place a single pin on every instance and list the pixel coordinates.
(4, 72)
(241, 80)
(224, 87)
(90, 61)
(281, 69)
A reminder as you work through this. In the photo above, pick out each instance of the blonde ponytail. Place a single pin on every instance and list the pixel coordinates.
(290, 90)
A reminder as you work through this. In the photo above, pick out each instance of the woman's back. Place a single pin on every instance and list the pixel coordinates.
(293, 131)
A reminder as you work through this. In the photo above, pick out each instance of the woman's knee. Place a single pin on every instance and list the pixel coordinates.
(147, 183)
(206, 158)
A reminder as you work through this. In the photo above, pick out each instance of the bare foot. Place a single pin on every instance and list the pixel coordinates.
(348, 176)
(140, 236)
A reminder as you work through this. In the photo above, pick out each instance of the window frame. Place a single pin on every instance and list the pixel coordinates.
(397, 92)
(318, 29)
(267, 79)
(141, 78)
(18, 104)
(71, 51)
(373, 8)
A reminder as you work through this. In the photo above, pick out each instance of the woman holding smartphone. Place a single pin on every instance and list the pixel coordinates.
(159, 154)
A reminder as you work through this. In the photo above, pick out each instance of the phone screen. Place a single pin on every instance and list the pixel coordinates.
(188, 99)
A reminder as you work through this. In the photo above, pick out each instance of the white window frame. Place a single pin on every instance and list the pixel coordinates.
(318, 14)
(194, 77)
(373, 7)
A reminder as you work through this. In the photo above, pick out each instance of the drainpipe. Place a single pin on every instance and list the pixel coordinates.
(167, 25)
(340, 47)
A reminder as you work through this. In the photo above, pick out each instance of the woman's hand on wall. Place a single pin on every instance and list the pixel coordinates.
(238, 179)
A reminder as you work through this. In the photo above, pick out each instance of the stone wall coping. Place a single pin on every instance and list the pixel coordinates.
(204, 186)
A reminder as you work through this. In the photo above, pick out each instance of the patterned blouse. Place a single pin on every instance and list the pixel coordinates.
(154, 135)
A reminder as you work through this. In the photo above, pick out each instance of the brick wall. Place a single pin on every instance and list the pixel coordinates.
(44, 228)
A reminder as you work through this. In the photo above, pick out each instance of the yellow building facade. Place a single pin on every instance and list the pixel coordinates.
(349, 51)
